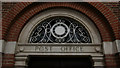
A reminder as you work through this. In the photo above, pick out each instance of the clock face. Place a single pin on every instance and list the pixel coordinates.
(59, 30)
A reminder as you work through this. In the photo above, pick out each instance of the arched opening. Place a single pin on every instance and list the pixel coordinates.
(60, 29)
(70, 15)
(61, 32)
(32, 14)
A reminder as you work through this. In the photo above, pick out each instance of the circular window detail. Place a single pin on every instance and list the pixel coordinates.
(59, 30)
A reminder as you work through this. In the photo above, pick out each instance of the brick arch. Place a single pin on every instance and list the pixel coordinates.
(109, 15)
(19, 23)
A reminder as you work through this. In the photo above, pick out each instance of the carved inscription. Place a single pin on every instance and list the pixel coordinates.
(71, 49)
(43, 48)
(58, 49)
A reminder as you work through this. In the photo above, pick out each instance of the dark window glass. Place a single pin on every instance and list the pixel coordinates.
(60, 30)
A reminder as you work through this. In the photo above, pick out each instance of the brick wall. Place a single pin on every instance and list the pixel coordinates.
(114, 6)
(6, 6)
(8, 61)
(111, 60)
(107, 34)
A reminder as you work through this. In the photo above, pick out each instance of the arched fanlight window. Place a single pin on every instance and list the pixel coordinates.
(60, 30)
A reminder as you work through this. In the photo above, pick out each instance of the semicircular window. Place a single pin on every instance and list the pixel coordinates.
(59, 30)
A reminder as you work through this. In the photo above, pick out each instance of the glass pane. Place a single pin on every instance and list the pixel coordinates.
(60, 30)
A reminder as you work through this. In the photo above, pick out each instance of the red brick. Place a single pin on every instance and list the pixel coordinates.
(99, 6)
